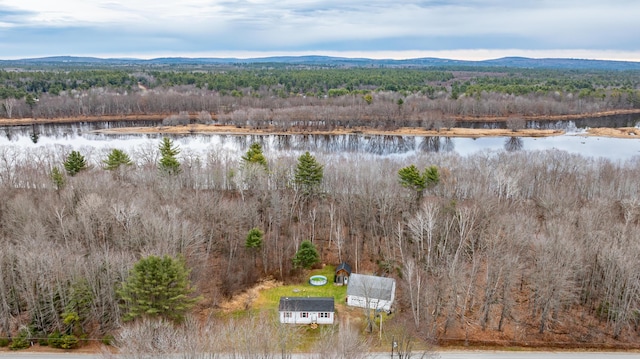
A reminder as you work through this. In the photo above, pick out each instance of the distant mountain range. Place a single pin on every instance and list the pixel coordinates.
(328, 61)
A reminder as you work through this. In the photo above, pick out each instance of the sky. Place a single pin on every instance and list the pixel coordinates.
(391, 29)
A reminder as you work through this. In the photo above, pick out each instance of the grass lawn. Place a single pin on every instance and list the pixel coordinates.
(269, 299)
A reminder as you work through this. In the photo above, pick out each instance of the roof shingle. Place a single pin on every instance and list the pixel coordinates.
(306, 304)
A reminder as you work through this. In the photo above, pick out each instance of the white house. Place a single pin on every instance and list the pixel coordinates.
(368, 291)
(307, 310)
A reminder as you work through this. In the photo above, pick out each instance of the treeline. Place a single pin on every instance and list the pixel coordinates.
(517, 244)
(355, 94)
(318, 81)
(380, 110)
(17, 84)
(314, 82)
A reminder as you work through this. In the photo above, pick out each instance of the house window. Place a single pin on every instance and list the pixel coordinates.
(287, 314)
(304, 315)
(325, 315)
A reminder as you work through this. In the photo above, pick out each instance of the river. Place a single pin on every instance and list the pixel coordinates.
(80, 135)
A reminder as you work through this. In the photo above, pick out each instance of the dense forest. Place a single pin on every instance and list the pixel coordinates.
(517, 244)
(526, 246)
(258, 96)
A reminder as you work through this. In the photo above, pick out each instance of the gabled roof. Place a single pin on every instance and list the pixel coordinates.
(371, 287)
(306, 304)
(344, 266)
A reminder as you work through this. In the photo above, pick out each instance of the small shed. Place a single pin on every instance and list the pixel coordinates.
(307, 310)
(368, 291)
(343, 271)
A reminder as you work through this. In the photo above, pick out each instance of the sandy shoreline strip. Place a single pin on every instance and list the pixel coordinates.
(405, 131)
(622, 132)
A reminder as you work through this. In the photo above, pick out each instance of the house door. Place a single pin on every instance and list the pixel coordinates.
(314, 317)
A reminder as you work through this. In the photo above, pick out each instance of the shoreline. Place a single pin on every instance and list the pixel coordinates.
(458, 118)
(622, 132)
(404, 131)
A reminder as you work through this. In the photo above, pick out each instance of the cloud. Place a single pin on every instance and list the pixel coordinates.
(10, 17)
(40, 27)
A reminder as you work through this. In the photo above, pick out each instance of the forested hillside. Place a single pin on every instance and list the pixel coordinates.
(521, 245)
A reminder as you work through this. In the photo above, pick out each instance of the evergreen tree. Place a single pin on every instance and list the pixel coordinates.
(31, 101)
(74, 163)
(157, 287)
(306, 256)
(410, 177)
(255, 155)
(168, 162)
(432, 176)
(254, 239)
(308, 174)
(117, 159)
(58, 178)
(254, 242)
(78, 309)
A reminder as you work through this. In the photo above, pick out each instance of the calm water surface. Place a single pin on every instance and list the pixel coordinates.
(79, 136)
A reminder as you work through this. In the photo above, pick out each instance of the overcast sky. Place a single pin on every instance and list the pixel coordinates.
(460, 29)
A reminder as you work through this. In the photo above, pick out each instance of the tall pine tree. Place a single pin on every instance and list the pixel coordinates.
(254, 242)
(308, 174)
(58, 178)
(168, 163)
(410, 177)
(254, 155)
(157, 287)
(306, 256)
(117, 159)
(74, 163)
